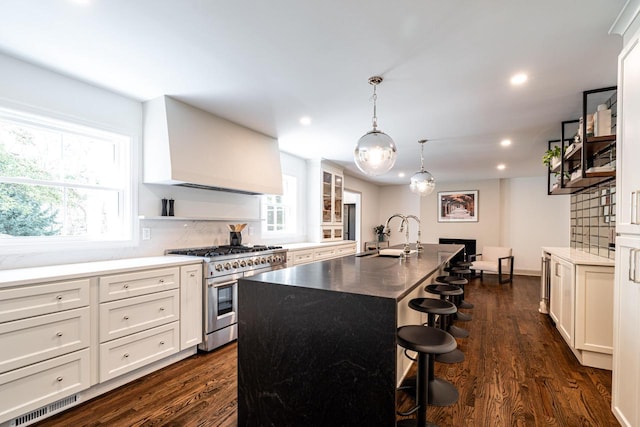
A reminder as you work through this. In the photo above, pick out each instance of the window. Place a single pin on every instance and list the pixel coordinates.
(279, 212)
(62, 182)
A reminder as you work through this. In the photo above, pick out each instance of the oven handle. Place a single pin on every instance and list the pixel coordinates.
(220, 284)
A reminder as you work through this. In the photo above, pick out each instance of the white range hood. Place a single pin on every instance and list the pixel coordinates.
(186, 146)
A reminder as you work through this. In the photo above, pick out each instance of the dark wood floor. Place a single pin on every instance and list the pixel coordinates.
(517, 372)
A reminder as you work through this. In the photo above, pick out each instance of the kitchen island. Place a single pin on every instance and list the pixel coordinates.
(317, 342)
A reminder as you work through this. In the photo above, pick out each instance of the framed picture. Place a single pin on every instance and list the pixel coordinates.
(458, 206)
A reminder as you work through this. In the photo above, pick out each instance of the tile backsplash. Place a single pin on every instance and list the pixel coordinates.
(593, 219)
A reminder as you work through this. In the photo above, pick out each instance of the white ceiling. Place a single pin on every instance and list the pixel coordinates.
(264, 64)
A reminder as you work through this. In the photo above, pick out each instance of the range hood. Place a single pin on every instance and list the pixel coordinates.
(186, 146)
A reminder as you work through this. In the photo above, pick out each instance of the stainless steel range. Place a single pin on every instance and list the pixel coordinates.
(223, 266)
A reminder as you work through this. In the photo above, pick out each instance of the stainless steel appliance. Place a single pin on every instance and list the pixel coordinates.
(545, 283)
(223, 266)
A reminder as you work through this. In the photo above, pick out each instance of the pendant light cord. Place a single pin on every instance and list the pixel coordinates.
(375, 98)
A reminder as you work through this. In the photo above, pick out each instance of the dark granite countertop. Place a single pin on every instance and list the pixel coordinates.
(377, 276)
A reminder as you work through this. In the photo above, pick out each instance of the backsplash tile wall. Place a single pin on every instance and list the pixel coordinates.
(593, 220)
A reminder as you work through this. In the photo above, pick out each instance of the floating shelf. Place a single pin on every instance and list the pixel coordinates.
(185, 218)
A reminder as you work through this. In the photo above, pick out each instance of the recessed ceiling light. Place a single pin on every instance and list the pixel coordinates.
(306, 120)
(501, 167)
(505, 142)
(401, 175)
(518, 79)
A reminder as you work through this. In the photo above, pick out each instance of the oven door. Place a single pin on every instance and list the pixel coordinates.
(221, 303)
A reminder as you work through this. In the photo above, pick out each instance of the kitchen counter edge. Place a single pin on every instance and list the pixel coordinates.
(26, 276)
(578, 257)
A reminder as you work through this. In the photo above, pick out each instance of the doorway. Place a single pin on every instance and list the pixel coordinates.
(351, 216)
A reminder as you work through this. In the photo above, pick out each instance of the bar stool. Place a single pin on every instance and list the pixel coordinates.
(444, 309)
(458, 281)
(427, 342)
(458, 300)
(446, 292)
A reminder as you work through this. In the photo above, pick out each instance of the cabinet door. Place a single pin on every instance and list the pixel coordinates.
(555, 299)
(594, 308)
(625, 393)
(327, 199)
(567, 302)
(337, 199)
(628, 173)
(191, 315)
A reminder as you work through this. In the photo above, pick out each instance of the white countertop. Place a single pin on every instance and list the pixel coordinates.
(24, 276)
(579, 257)
(311, 245)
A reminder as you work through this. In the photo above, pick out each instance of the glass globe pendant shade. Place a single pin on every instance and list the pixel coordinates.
(422, 183)
(375, 153)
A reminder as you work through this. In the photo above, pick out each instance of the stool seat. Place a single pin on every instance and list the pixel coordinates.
(461, 271)
(440, 289)
(452, 280)
(463, 264)
(433, 306)
(425, 339)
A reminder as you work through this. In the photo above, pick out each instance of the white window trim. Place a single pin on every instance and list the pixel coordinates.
(25, 113)
(291, 229)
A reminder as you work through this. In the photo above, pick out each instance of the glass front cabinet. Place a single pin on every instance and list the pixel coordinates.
(326, 187)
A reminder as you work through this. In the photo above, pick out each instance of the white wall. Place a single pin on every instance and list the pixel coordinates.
(399, 199)
(33, 89)
(532, 219)
(511, 212)
(370, 205)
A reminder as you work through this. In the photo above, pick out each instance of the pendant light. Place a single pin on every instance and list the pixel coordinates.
(422, 182)
(375, 152)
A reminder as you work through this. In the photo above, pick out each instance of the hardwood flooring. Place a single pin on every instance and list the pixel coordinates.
(518, 372)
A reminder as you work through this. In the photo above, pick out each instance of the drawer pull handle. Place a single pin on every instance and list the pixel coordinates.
(126, 317)
(161, 280)
(161, 308)
(59, 297)
(126, 286)
(193, 275)
(59, 379)
(126, 355)
(161, 342)
(59, 334)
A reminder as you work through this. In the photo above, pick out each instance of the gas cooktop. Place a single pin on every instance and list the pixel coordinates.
(215, 251)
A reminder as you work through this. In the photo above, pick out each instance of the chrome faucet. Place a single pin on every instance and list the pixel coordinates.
(418, 245)
(406, 249)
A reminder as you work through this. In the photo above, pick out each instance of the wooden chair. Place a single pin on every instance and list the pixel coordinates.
(494, 259)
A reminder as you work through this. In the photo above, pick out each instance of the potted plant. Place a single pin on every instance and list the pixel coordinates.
(551, 157)
(380, 233)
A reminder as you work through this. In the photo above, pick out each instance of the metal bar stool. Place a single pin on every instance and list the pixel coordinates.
(427, 342)
(446, 292)
(458, 300)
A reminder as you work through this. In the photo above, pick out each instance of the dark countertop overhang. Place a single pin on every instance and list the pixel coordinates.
(386, 277)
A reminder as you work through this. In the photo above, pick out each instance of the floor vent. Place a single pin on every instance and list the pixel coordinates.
(45, 411)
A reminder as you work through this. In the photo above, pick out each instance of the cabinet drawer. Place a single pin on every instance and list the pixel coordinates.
(25, 389)
(345, 250)
(123, 355)
(33, 340)
(34, 300)
(302, 257)
(326, 253)
(131, 315)
(138, 283)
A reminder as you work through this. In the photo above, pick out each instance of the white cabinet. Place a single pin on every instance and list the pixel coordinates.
(561, 301)
(625, 393)
(320, 253)
(45, 340)
(325, 195)
(581, 305)
(191, 316)
(628, 178)
(139, 319)
(626, 356)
